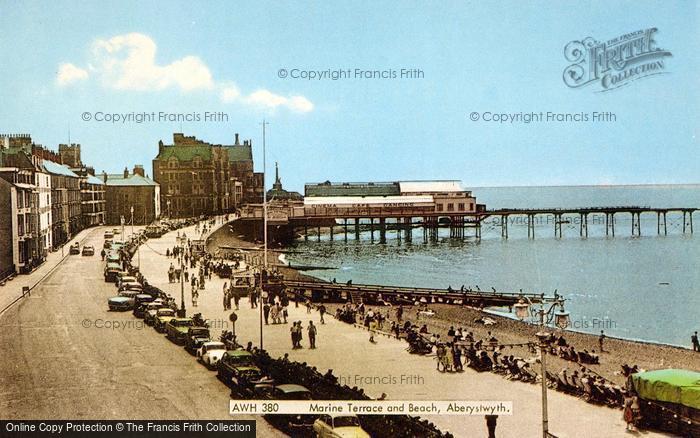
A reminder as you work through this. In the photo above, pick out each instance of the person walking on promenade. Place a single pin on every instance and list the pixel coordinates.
(195, 297)
(293, 334)
(601, 340)
(266, 312)
(694, 340)
(226, 300)
(103, 254)
(300, 334)
(491, 421)
(236, 300)
(308, 306)
(312, 335)
(322, 311)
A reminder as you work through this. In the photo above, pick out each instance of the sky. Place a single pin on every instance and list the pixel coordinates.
(63, 60)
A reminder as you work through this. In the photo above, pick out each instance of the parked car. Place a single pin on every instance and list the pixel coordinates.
(125, 278)
(111, 271)
(163, 316)
(294, 425)
(195, 337)
(116, 231)
(108, 235)
(124, 301)
(339, 426)
(209, 353)
(74, 248)
(176, 329)
(149, 317)
(237, 369)
(88, 250)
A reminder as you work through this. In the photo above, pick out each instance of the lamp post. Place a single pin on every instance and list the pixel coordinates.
(168, 204)
(543, 338)
(264, 125)
(545, 317)
(182, 312)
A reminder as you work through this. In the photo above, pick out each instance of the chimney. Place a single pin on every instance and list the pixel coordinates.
(138, 170)
(161, 148)
(126, 172)
(104, 176)
(237, 143)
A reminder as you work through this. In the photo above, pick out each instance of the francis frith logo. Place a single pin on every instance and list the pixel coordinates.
(614, 63)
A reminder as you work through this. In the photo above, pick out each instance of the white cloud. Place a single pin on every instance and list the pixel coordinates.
(69, 73)
(229, 93)
(267, 99)
(128, 62)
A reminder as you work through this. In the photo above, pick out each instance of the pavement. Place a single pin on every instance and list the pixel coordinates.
(59, 360)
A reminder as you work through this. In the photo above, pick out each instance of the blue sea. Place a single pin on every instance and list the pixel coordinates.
(645, 288)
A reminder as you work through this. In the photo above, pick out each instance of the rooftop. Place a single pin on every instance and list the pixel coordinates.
(117, 179)
(59, 169)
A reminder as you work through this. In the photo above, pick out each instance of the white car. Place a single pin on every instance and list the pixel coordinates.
(210, 353)
(339, 426)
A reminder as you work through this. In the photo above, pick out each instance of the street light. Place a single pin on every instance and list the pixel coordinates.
(182, 312)
(264, 124)
(560, 316)
(543, 338)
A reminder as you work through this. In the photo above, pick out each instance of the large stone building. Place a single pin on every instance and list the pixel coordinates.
(66, 210)
(21, 166)
(126, 190)
(50, 197)
(8, 226)
(92, 189)
(198, 178)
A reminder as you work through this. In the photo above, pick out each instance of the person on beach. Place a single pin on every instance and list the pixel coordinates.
(322, 311)
(601, 340)
(266, 312)
(695, 342)
(312, 335)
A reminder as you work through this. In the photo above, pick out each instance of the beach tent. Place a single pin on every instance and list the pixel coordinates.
(680, 387)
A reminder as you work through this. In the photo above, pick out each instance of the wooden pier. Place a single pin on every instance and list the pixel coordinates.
(375, 294)
(379, 222)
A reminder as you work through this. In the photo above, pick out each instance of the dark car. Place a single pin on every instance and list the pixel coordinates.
(237, 369)
(75, 248)
(111, 271)
(196, 336)
(88, 250)
(294, 425)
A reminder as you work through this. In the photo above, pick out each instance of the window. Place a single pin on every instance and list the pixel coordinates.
(450, 207)
(460, 206)
(172, 162)
(438, 207)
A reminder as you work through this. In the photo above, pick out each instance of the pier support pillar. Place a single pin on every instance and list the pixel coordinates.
(318, 233)
(583, 231)
(504, 226)
(408, 222)
(331, 230)
(477, 230)
(357, 228)
(530, 226)
(557, 225)
(687, 221)
(661, 222)
(371, 229)
(345, 227)
(636, 228)
(609, 224)
(306, 231)
(382, 230)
